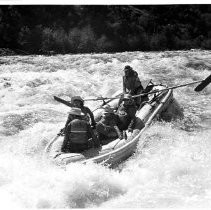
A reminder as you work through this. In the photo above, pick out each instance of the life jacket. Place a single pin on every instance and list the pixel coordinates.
(122, 112)
(126, 113)
(78, 131)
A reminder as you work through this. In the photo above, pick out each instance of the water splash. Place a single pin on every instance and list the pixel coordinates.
(172, 170)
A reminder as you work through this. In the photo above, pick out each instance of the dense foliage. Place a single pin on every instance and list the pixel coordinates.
(104, 28)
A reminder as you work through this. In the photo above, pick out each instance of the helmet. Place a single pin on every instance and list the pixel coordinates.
(127, 99)
(77, 98)
(128, 68)
(76, 111)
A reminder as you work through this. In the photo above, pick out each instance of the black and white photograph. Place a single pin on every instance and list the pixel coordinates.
(105, 105)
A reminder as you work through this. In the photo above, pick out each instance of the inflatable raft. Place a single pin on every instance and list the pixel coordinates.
(117, 150)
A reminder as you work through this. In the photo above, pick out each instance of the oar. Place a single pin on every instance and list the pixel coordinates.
(101, 98)
(200, 87)
(63, 101)
(67, 103)
(101, 106)
(203, 84)
(105, 102)
(47, 148)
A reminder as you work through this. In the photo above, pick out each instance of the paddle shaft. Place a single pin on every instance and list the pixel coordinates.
(67, 103)
(174, 87)
(105, 102)
(100, 99)
(143, 94)
(102, 105)
(201, 86)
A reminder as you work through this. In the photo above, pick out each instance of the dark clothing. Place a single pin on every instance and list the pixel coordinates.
(77, 136)
(87, 112)
(132, 84)
(127, 115)
(69, 119)
(107, 127)
(78, 131)
(139, 100)
(84, 109)
(76, 148)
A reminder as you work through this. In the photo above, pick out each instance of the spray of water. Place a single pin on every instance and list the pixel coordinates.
(172, 170)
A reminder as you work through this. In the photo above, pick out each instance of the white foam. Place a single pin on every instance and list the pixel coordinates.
(172, 170)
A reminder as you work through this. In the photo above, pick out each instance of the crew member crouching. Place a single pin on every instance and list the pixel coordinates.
(127, 113)
(107, 127)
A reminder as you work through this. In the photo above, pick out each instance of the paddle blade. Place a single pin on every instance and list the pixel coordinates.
(67, 103)
(56, 98)
(203, 84)
(59, 99)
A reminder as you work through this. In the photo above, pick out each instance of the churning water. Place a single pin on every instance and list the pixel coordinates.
(172, 170)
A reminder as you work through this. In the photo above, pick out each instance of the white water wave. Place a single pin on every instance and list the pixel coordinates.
(172, 170)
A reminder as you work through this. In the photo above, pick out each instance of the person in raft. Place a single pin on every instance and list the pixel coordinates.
(107, 127)
(132, 84)
(78, 102)
(127, 113)
(79, 135)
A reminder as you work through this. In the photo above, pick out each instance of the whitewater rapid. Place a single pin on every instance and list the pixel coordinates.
(172, 170)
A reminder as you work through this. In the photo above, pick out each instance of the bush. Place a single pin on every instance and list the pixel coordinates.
(158, 42)
(30, 39)
(206, 44)
(103, 44)
(87, 40)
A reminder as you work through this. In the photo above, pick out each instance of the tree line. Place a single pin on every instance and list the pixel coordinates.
(47, 29)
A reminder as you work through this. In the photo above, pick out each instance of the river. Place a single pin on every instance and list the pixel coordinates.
(172, 170)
